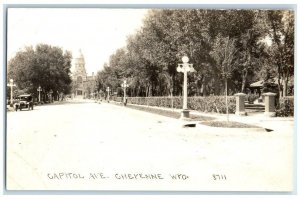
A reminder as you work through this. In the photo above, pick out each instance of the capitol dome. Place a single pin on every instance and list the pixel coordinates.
(78, 55)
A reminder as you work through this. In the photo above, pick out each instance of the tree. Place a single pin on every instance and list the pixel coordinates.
(281, 23)
(224, 52)
(251, 46)
(152, 54)
(46, 66)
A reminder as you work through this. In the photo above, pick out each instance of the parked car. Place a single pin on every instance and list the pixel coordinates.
(24, 101)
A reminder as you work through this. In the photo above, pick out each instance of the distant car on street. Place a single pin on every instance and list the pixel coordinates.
(24, 102)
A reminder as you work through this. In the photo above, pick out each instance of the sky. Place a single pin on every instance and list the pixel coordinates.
(97, 32)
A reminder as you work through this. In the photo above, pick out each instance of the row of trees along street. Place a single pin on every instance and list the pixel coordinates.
(46, 66)
(242, 46)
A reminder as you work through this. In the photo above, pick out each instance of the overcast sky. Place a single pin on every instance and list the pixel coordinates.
(97, 32)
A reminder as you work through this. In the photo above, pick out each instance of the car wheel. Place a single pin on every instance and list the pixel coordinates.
(20, 108)
(28, 107)
(32, 108)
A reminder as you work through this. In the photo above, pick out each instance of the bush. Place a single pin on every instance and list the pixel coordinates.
(212, 104)
(252, 97)
(285, 107)
(204, 104)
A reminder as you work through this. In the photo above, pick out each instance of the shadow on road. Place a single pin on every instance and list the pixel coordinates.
(71, 102)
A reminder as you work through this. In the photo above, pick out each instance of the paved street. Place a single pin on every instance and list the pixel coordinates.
(83, 145)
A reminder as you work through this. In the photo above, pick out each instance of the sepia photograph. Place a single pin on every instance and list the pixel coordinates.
(150, 99)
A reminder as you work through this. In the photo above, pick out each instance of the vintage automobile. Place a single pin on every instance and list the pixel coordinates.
(24, 102)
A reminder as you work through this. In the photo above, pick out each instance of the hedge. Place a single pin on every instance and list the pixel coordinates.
(285, 107)
(212, 104)
(204, 104)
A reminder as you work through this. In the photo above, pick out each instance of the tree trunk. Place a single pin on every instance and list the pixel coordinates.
(199, 84)
(173, 84)
(285, 86)
(226, 100)
(204, 93)
(279, 78)
(138, 91)
(217, 86)
(279, 87)
(172, 102)
(150, 90)
(245, 74)
(204, 89)
(147, 91)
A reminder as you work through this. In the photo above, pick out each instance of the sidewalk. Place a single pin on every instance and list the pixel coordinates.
(279, 124)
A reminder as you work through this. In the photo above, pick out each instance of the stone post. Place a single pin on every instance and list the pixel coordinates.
(269, 104)
(240, 104)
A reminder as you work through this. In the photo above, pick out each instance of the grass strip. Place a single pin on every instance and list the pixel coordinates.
(167, 113)
(205, 120)
(230, 124)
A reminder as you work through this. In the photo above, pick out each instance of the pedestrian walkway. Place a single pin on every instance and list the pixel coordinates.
(280, 124)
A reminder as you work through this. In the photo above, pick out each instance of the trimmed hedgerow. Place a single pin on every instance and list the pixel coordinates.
(153, 101)
(168, 113)
(285, 107)
(215, 104)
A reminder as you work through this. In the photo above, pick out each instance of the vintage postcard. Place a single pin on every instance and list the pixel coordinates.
(148, 99)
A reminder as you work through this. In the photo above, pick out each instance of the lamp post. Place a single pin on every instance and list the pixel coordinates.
(39, 90)
(107, 90)
(124, 86)
(50, 92)
(185, 67)
(11, 84)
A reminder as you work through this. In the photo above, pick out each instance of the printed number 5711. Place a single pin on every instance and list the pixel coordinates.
(219, 177)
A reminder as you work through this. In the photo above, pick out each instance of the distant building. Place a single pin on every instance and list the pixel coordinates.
(83, 85)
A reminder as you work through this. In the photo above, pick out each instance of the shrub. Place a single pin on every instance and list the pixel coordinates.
(285, 107)
(212, 104)
(252, 97)
(203, 104)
